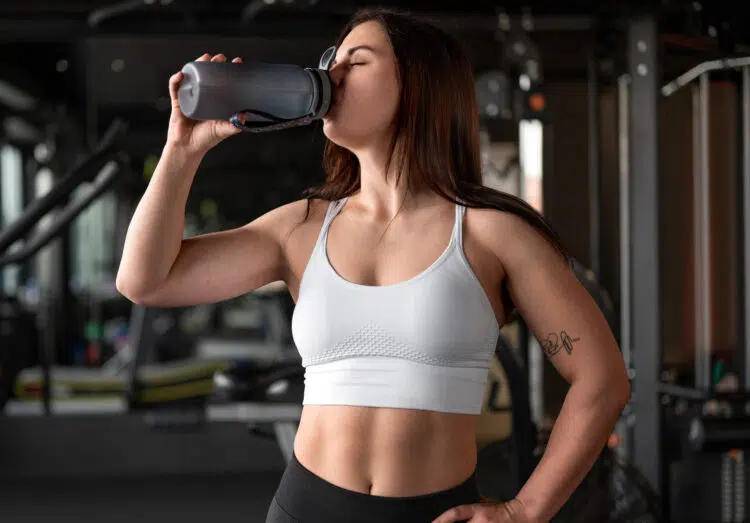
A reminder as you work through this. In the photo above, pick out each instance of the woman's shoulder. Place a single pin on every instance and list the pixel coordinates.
(302, 219)
(497, 230)
(489, 222)
(303, 211)
(508, 235)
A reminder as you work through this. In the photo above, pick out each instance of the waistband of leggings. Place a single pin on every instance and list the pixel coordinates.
(312, 490)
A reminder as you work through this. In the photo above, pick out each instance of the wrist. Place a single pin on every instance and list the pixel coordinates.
(527, 511)
(182, 153)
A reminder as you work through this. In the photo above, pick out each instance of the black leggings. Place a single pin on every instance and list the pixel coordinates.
(303, 497)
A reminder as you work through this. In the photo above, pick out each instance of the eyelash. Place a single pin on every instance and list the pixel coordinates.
(350, 63)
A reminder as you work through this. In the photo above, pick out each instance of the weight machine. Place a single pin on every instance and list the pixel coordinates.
(673, 431)
(101, 169)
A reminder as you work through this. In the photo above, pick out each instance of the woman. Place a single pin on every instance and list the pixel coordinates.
(395, 329)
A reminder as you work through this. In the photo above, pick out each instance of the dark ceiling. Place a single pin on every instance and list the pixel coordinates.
(62, 52)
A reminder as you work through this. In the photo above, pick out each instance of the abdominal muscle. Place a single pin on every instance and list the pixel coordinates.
(387, 452)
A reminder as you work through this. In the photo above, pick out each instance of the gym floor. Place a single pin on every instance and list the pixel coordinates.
(114, 469)
(172, 499)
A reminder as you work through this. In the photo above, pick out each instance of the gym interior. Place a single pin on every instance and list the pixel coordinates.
(626, 124)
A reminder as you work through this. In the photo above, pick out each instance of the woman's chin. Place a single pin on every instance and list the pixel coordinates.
(331, 114)
(330, 124)
(333, 131)
(330, 131)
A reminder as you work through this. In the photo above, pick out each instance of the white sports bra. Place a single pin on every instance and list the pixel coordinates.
(425, 343)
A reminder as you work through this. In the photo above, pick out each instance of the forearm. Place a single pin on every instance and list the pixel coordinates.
(581, 431)
(155, 232)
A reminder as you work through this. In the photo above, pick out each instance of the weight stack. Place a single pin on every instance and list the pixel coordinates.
(709, 487)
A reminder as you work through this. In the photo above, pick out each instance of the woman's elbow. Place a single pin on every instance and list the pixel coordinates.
(129, 289)
(611, 386)
(616, 386)
(623, 392)
(136, 293)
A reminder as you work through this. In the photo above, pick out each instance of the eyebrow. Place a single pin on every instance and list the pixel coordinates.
(352, 50)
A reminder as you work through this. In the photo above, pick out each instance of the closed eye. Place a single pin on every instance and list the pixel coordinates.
(350, 63)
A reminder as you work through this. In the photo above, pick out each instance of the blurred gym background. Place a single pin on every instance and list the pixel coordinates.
(626, 123)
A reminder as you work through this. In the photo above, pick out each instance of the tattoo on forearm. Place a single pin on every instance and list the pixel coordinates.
(554, 343)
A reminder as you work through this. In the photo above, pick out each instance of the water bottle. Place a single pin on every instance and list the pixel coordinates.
(256, 96)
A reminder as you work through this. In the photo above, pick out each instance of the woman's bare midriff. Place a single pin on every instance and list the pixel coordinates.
(387, 452)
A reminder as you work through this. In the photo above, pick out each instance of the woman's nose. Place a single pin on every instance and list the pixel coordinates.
(337, 74)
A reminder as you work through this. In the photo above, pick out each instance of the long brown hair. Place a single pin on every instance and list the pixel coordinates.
(436, 127)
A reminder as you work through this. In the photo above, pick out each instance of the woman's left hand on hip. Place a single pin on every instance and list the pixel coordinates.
(486, 512)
